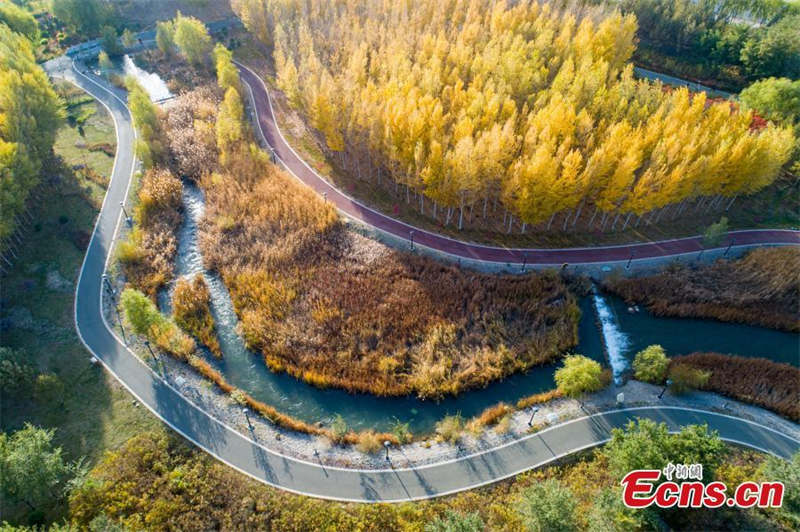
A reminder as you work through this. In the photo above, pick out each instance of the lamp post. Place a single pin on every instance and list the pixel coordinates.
(246, 413)
(524, 260)
(108, 285)
(728, 248)
(533, 413)
(411, 237)
(325, 197)
(386, 445)
(155, 356)
(628, 266)
(127, 218)
(668, 384)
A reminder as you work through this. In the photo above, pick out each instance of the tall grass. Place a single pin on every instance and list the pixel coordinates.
(147, 257)
(337, 311)
(763, 288)
(757, 381)
(192, 312)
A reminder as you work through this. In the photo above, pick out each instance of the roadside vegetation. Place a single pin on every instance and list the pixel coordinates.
(147, 256)
(762, 288)
(487, 125)
(136, 487)
(757, 381)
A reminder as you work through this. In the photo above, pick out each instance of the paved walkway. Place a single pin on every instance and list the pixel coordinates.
(591, 255)
(313, 479)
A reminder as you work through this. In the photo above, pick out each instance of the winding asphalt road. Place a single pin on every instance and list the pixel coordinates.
(589, 255)
(314, 479)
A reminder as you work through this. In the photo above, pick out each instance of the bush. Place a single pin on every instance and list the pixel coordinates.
(579, 375)
(715, 233)
(402, 432)
(788, 472)
(453, 521)
(450, 428)
(17, 374)
(339, 428)
(650, 364)
(645, 444)
(753, 380)
(144, 318)
(489, 417)
(239, 397)
(685, 378)
(369, 442)
(548, 506)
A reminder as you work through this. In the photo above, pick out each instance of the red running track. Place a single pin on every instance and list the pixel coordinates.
(588, 255)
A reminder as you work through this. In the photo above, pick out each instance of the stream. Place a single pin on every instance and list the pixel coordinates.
(607, 333)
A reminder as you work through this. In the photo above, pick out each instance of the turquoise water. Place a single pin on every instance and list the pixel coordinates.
(631, 332)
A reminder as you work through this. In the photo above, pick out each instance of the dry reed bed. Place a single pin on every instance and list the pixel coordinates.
(763, 288)
(192, 312)
(757, 381)
(147, 257)
(338, 310)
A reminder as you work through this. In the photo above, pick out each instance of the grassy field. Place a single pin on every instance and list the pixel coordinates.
(90, 411)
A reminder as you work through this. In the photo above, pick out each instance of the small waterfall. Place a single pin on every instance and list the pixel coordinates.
(151, 82)
(615, 341)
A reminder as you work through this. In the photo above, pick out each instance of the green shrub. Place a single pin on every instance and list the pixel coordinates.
(145, 319)
(339, 428)
(579, 375)
(651, 364)
(548, 507)
(454, 521)
(715, 233)
(450, 428)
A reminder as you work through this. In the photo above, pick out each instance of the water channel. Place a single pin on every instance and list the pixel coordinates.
(607, 331)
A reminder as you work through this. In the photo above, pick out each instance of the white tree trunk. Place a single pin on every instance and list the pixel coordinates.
(578, 214)
(550, 222)
(591, 221)
(628, 219)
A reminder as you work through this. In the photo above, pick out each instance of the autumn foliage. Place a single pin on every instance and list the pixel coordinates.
(534, 105)
(763, 288)
(148, 254)
(338, 310)
(192, 312)
(757, 381)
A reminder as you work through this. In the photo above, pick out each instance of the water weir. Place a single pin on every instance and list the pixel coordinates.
(615, 341)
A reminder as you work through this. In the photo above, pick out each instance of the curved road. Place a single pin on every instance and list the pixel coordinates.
(313, 479)
(590, 255)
